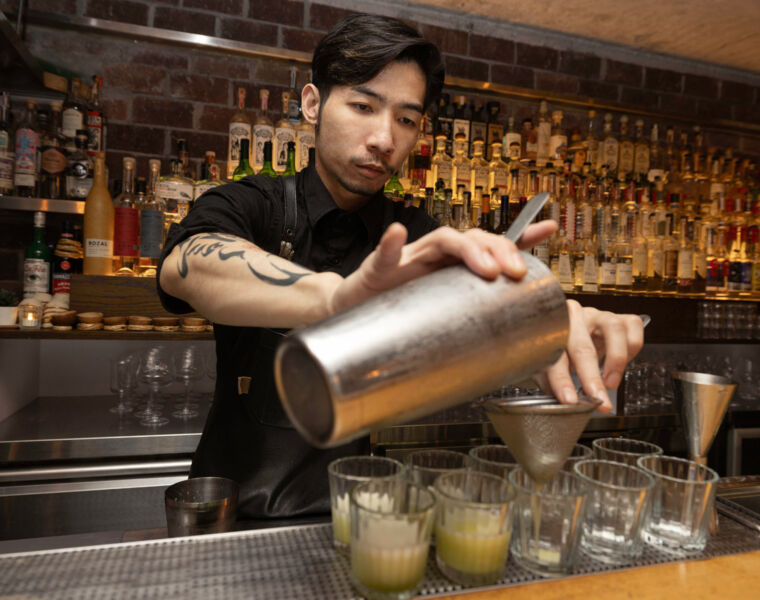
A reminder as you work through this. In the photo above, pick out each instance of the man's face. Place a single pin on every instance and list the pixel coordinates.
(366, 131)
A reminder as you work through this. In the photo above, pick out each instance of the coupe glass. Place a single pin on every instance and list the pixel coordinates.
(156, 371)
(123, 378)
(188, 368)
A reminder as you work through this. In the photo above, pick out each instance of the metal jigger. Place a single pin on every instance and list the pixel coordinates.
(539, 431)
(703, 399)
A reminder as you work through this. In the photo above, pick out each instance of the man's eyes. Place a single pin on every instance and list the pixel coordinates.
(362, 107)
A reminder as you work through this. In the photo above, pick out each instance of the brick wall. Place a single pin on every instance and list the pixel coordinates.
(155, 93)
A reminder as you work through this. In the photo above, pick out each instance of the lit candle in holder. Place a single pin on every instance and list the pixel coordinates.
(29, 316)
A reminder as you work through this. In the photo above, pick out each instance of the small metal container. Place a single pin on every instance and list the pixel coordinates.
(432, 343)
(201, 505)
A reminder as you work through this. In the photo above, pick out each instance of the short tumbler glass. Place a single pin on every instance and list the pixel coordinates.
(682, 503)
(548, 522)
(391, 522)
(473, 526)
(343, 474)
(619, 503)
(579, 452)
(623, 450)
(425, 466)
(493, 458)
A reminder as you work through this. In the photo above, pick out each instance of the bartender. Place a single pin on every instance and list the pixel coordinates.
(256, 269)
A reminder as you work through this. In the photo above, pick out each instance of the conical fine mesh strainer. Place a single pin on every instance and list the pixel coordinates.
(539, 431)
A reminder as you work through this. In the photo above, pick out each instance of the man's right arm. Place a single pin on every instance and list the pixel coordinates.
(231, 281)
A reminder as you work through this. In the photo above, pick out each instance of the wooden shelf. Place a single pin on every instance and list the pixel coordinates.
(75, 334)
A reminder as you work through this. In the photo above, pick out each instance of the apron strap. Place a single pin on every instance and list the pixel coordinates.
(287, 245)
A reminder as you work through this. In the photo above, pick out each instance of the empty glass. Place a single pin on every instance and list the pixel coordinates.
(623, 450)
(682, 503)
(493, 458)
(424, 466)
(473, 526)
(156, 371)
(580, 452)
(618, 508)
(343, 474)
(548, 522)
(123, 377)
(391, 522)
(188, 368)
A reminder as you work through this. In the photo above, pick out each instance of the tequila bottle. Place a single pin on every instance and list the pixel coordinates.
(609, 154)
(151, 208)
(126, 228)
(656, 156)
(239, 129)
(495, 127)
(441, 162)
(592, 142)
(498, 173)
(557, 140)
(641, 152)
(461, 167)
(479, 170)
(626, 151)
(543, 135)
(209, 176)
(626, 232)
(176, 192)
(284, 132)
(263, 131)
(529, 141)
(512, 143)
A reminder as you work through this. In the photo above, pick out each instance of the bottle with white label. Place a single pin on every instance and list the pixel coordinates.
(544, 133)
(176, 191)
(558, 140)
(126, 229)
(609, 154)
(27, 148)
(79, 169)
(512, 141)
(239, 129)
(98, 223)
(498, 174)
(37, 260)
(478, 170)
(284, 132)
(74, 110)
(6, 147)
(151, 209)
(305, 141)
(263, 131)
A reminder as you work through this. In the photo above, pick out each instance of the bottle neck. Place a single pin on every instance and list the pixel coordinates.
(291, 161)
(128, 181)
(39, 235)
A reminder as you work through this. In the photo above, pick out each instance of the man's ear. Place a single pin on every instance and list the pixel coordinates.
(310, 102)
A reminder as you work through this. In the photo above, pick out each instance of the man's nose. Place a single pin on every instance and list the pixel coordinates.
(381, 138)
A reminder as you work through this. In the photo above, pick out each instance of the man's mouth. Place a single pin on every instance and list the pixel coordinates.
(373, 169)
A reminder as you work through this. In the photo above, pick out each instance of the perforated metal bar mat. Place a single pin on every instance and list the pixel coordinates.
(274, 564)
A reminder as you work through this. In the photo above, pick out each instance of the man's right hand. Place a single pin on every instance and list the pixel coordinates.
(394, 262)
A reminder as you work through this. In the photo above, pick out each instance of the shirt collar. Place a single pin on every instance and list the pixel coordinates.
(376, 214)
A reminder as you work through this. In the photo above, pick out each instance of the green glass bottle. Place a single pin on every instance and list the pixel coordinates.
(393, 189)
(244, 167)
(37, 261)
(290, 167)
(266, 168)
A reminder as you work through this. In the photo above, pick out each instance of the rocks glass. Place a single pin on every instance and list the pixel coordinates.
(391, 522)
(548, 522)
(473, 526)
(682, 503)
(623, 450)
(424, 466)
(343, 474)
(493, 458)
(580, 452)
(618, 509)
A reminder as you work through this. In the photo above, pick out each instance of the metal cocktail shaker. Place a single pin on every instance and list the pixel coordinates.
(432, 343)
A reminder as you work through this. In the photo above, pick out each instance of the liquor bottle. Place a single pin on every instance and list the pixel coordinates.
(442, 206)
(670, 249)
(126, 228)
(478, 128)
(53, 158)
(610, 147)
(698, 155)
(152, 208)
(498, 173)
(441, 162)
(263, 131)
(543, 135)
(393, 189)
(98, 223)
(700, 255)
(512, 145)
(462, 117)
(209, 176)
(176, 192)
(428, 202)
(576, 153)
(640, 151)
(640, 245)
(626, 151)
(484, 222)
(736, 242)
(266, 169)
(755, 261)
(243, 168)
(495, 128)
(567, 206)
(656, 156)
(444, 123)
(67, 260)
(6, 147)
(74, 113)
(305, 140)
(626, 232)
(463, 219)
(592, 142)
(240, 129)
(96, 120)
(608, 227)
(290, 167)
(557, 140)
(461, 167)
(529, 140)
(27, 143)
(284, 132)
(183, 155)
(683, 150)
(478, 170)
(37, 260)
(79, 169)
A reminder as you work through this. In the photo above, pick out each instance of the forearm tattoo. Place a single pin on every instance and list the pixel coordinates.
(208, 244)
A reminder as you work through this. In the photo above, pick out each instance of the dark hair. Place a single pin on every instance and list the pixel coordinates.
(362, 45)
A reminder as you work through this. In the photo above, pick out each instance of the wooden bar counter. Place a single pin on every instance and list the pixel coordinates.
(736, 576)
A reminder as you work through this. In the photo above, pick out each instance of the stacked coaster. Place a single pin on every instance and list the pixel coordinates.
(90, 321)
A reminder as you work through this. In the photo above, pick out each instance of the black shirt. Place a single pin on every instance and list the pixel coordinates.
(247, 436)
